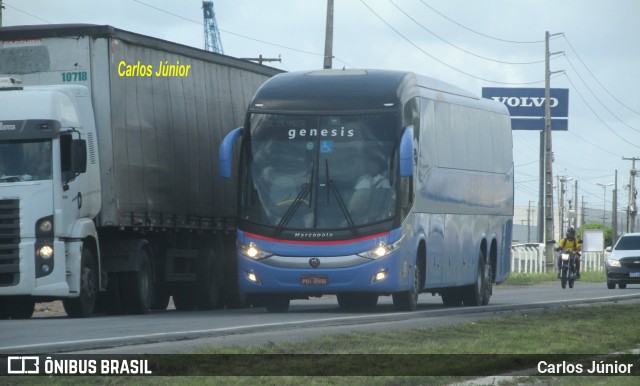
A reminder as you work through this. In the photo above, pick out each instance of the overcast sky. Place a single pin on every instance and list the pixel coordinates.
(465, 43)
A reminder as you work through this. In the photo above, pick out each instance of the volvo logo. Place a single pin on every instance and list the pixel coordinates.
(314, 262)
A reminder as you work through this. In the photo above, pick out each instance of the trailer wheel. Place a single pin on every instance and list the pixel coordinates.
(208, 284)
(136, 288)
(17, 307)
(83, 305)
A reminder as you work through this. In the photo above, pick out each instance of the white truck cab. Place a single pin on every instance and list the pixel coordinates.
(49, 194)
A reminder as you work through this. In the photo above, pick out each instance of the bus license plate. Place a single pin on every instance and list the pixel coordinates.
(634, 274)
(314, 280)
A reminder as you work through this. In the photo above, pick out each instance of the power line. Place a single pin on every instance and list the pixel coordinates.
(440, 61)
(598, 116)
(479, 33)
(243, 36)
(457, 47)
(27, 13)
(596, 79)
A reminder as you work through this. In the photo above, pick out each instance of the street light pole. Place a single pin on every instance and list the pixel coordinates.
(604, 199)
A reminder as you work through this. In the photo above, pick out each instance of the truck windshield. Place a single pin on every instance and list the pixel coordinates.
(319, 172)
(25, 161)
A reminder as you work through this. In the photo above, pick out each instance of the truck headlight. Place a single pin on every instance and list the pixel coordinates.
(45, 252)
(253, 252)
(382, 249)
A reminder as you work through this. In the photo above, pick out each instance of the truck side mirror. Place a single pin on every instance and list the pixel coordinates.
(78, 156)
(226, 152)
(406, 153)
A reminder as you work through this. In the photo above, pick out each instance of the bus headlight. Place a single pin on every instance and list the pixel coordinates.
(253, 252)
(45, 252)
(382, 249)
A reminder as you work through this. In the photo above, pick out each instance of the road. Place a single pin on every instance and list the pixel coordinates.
(172, 331)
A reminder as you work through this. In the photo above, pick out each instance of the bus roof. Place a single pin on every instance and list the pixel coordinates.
(356, 90)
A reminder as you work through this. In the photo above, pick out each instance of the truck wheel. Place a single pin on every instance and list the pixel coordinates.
(408, 300)
(208, 284)
(18, 307)
(136, 288)
(83, 305)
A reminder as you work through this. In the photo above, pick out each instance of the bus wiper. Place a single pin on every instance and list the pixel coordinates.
(334, 189)
(306, 189)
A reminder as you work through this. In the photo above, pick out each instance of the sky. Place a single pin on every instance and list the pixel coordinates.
(471, 44)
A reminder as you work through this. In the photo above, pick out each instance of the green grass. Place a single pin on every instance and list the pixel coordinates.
(523, 279)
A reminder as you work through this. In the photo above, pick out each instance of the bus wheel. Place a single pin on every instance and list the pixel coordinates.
(474, 294)
(83, 305)
(18, 307)
(408, 300)
(277, 303)
(136, 288)
(358, 300)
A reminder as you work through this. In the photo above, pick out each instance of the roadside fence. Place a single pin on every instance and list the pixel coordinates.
(531, 258)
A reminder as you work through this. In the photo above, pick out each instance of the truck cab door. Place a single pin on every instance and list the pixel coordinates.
(73, 165)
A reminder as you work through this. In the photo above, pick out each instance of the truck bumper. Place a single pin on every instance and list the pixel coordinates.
(52, 285)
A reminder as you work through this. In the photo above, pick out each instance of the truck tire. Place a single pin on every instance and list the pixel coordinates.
(136, 288)
(208, 282)
(84, 304)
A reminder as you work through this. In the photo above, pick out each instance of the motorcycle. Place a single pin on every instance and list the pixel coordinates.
(568, 273)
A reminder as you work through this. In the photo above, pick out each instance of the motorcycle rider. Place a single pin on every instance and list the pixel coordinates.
(572, 244)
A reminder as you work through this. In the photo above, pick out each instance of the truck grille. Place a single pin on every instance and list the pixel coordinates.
(9, 242)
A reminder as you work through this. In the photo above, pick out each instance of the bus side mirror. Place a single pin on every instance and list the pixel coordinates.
(406, 153)
(225, 153)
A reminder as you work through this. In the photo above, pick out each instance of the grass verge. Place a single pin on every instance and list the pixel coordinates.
(575, 333)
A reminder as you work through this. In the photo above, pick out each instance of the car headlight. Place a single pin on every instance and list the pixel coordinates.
(45, 252)
(613, 263)
(382, 250)
(253, 252)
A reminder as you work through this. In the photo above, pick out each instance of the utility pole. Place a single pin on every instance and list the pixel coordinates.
(562, 180)
(1, 7)
(614, 212)
(548, 177)
(540, 238)
(260, 59)
(328, 38)
(632, 209)
(582, 211)
(529, 223)
(575, 204)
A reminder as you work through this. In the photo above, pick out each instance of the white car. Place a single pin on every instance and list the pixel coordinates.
(623, 265)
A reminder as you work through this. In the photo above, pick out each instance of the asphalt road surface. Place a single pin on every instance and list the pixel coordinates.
(172, 331)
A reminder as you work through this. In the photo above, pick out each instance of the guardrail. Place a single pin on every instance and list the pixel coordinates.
(531, 258)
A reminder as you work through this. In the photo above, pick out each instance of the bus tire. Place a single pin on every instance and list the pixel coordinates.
(474, 294)
(408, 300)
(84, 304)
(277, 303)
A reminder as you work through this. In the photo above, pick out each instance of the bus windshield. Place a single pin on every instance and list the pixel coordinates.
(319, 172)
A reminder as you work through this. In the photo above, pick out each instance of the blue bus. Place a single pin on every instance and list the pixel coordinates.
(366, 183)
